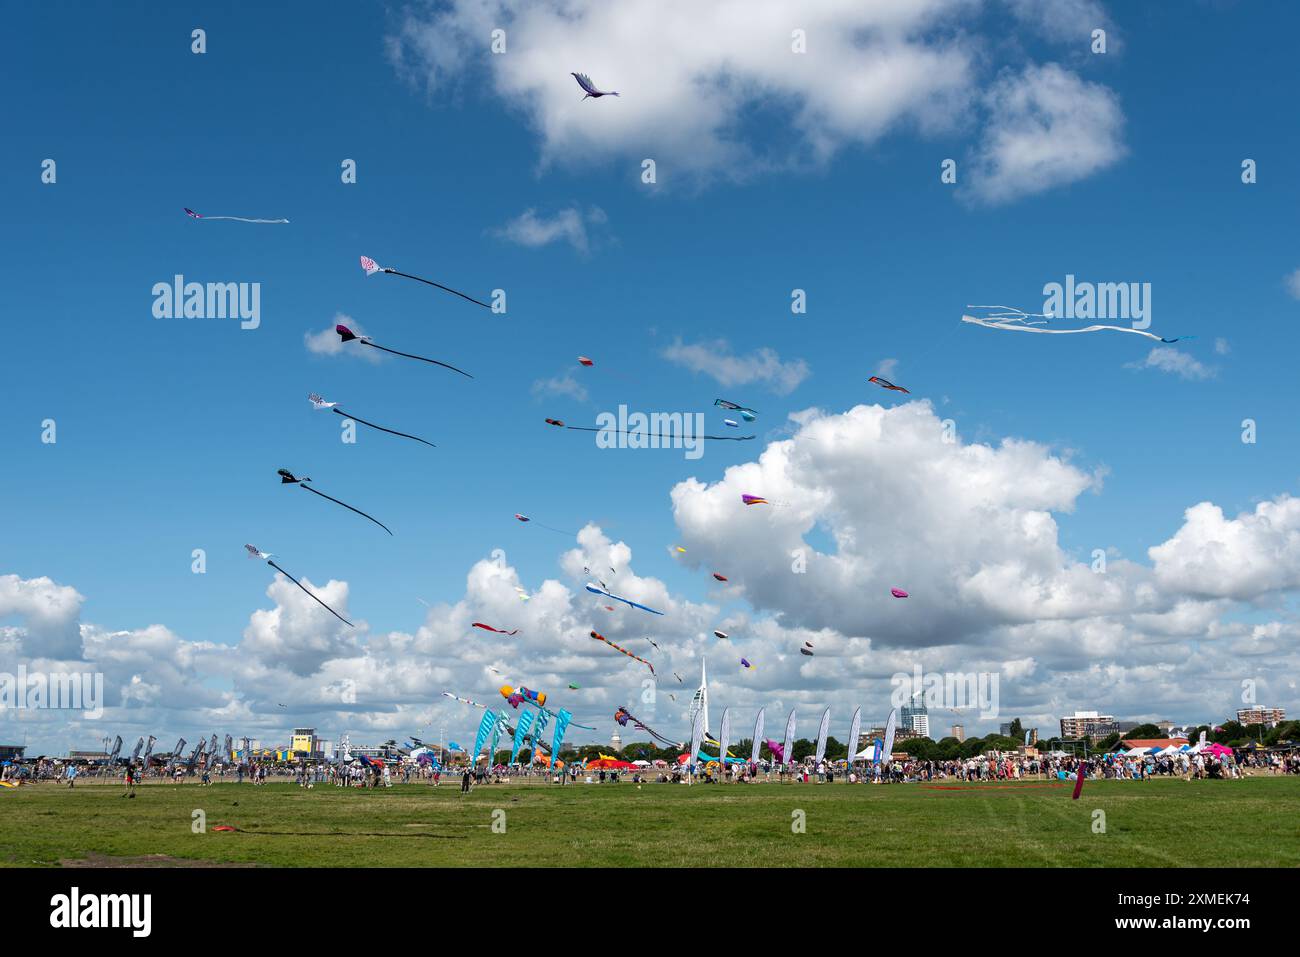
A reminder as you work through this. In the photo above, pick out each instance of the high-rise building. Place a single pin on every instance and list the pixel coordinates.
(959, 732)
(914, 715)
(1088, 724)
(1268, 717)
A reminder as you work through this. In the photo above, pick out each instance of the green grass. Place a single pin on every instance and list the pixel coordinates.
(1157, 824)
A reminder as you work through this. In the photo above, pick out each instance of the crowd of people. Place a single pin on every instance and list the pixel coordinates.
(985, 768)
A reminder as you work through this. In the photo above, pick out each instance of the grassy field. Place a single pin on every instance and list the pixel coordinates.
(1157, 824)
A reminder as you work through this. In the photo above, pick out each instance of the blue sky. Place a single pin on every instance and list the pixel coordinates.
(170, 431)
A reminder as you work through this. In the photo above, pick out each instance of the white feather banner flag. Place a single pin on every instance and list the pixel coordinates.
(821, 736)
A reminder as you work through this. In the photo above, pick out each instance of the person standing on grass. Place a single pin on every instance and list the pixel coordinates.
(464, 782)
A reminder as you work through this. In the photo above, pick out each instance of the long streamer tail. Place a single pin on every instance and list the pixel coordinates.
(660, 435)
(241, 219)
(314, 598)
(348, 507)
(430, 282)
(1015, 325)
(421, 358)
(382, 429)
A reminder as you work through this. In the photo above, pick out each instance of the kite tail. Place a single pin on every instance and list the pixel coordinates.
(317, 600)
(381, 428)
(430, 282)
(659, 435)
(241, 219)
(348, 507)
(421, 358)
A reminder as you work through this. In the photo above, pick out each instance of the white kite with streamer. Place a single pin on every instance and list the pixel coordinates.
(1017, 320)
(238, 219)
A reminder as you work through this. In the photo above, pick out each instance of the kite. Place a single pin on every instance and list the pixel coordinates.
(898, 593)
(653, 642)
(721, 578)
(238, 219)
(288, 478)
(347, 335)
(678, 677)
(1078, 780)
(747, 414)
(253, 552)
(645, 433)
(555, 422)
(886, 384)
(573, 687)
(589, 88)
(320, 405)
(731, 423)
(754, 500)
(583, 360)
(371, 267)
(623, 716)
(599, 637)
(806, 651)
(523, 595)
(778, 752)
(1017, 320)
(720, 634)
(523, 694)
(746, 663)
(559, 531)
(679, 548)
(499, 631)
(606, 592)
(448, 694)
